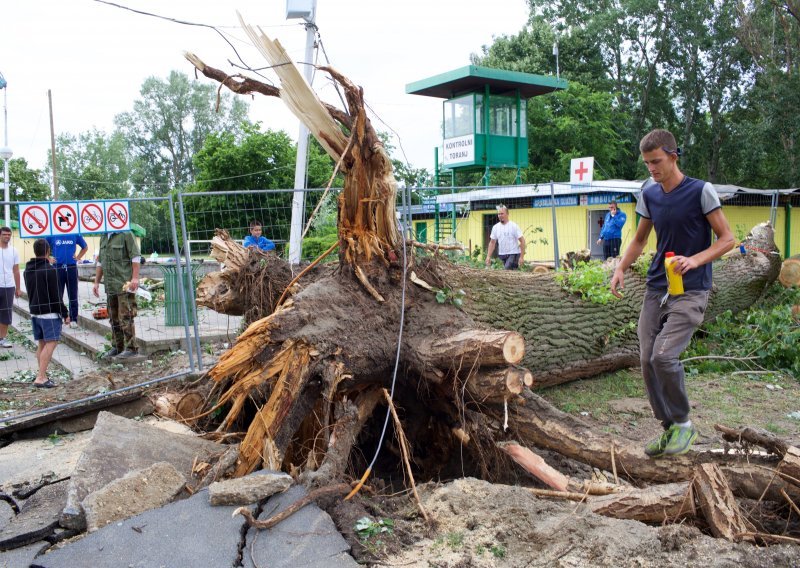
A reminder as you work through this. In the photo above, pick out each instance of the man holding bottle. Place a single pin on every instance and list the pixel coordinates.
(681, 210)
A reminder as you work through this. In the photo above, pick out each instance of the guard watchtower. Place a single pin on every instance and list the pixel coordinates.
(485, 115)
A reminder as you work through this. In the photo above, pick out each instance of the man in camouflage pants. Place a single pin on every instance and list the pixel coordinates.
(119, 261)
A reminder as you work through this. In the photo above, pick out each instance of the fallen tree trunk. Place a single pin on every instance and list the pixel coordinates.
(327, 346)
(666, 503)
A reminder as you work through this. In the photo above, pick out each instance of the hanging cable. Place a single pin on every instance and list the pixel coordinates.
(367, 472)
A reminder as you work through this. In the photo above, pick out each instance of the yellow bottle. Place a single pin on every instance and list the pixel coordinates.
(674, 279)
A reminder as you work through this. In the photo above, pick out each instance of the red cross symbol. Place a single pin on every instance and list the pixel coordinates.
(582, 170)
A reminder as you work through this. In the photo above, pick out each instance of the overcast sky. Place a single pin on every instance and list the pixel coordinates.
(94, 57)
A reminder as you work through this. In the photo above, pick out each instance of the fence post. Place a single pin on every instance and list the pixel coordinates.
(555, 225)
(787, 251)
(188, 255)
(184, 310)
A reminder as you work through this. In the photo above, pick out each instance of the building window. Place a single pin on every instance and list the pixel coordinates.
(459, 116)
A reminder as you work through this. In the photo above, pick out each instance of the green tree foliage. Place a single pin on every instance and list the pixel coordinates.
(254, 161)
(93, 165)
(723, 76)
(170, 124)
(26, 184)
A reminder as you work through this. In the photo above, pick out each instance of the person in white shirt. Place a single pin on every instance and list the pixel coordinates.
(9, 283)
(507, 237)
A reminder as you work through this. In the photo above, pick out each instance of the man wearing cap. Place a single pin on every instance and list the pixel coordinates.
(118, 264)
(683, 211)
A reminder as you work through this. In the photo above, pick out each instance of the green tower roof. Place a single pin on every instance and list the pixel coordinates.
(471, 79)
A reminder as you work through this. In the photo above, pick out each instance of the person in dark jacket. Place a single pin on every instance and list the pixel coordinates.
(47, 308)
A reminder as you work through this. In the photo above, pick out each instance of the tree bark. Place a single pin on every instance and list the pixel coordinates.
(717, 503)
(567, 338)
(666, 503)
(790, 272)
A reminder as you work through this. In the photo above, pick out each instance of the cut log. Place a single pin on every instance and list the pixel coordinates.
(717, 504)
(535, 465)
(790, 466)
(497, 385)
(659, 504)
(182, 407)
(790, 272)
(474, 347)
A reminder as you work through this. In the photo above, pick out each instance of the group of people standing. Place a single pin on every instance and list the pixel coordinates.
(54, 270)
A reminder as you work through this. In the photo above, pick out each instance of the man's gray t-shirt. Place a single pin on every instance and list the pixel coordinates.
(679, 219)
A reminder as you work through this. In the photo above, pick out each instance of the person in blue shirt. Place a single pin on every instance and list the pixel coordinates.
(254, 239)
(611, 233)
(65, 259)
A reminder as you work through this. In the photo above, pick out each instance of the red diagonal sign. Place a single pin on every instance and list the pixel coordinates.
(35, 225)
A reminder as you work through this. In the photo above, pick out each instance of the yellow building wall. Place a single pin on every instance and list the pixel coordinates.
(573, 227)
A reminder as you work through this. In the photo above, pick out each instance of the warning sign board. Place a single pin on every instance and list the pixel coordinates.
(117, 216)
(64, 217)
(45, 219)
(92, 217)
(34, 220)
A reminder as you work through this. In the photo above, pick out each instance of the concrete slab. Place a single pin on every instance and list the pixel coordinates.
(37, 519)
(22, 557)
(119, 446)
(27, 461)
(308, 538)
(135, 493)
(185, 533)
(250, 489)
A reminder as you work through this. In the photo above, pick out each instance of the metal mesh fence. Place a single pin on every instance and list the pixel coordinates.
(62, 326)
(563, 217)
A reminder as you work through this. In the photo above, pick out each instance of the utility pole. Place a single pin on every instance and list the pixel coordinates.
(5, 154)
(53, 146)
(307, 10)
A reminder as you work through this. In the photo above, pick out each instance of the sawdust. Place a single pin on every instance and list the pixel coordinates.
(480, 524)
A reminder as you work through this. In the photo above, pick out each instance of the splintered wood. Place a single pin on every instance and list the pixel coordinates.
(718, 505)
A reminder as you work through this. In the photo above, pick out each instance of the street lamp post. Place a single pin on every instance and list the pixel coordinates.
(5, 153)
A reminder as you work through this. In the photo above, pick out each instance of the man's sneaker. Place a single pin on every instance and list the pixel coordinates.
(5, 343)
(656, 447)
(73, 325)
(681, 440)
(127, 354)
(113, 352)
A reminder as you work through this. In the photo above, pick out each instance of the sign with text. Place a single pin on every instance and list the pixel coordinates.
(459, 150)
(581, 171)
(45, 219)
(34, 220)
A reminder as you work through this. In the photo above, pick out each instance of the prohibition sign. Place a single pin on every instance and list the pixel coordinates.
(117, 215)
(35, 220)
(65, 219)
(91, 217)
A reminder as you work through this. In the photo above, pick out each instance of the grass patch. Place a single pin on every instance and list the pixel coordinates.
(594, 394)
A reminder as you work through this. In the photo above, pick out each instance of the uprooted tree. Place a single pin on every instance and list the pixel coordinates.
(305, 379)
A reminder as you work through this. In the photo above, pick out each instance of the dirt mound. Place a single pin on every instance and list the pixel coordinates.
(482, 524)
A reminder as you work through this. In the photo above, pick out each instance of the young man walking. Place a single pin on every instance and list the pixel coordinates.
(683, 211)
(9, 283)
(47, 308)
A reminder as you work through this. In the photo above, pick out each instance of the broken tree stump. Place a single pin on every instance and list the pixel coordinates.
(717, 504)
